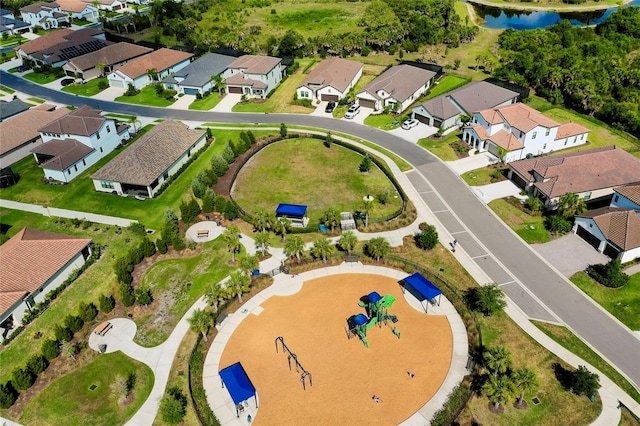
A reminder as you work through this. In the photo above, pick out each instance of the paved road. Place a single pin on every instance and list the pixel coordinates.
(528, 280)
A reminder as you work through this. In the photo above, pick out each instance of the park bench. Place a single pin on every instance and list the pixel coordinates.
(202, 233)
(103, 328)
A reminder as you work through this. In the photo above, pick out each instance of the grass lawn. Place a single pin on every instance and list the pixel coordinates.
(7, 90)
(168, 281)
(205, 104)
(12, 40)
(383, 121)
(121, 117)
(483, 176)
(90, 88)
(147, 96)
(446, 84)
(8, 56)
(441, 148)
(623, 303)
(569, 341)
(289, 172)
(36, 100)
(40, 78)
(558, 407)
(69, 399)
(484, 44)
(529, 228)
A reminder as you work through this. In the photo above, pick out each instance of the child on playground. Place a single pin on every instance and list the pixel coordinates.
(376, 399)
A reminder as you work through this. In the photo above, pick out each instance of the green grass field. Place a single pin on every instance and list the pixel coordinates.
(529, 228)
(446, 84)
(90, 88)
(441, 148)
(623, 303)
(147, 96)
(205, 104)
(288, 172)
(384, 121)
(70, 398)
(40, 78)
(483, 176)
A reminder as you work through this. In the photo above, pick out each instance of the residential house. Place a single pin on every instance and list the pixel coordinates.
(197, 77)
(57, 47)
(110, 5)
(19, 135)
(32, 264)
(79, 9)
(444, 111)
(253, 76)
(76, 141)
(163, 62)
(142, 168)
(11, 108)
(613, 231)
(627, 196)
(10, 25)
(330, 80)
(517, 131)
(396, 88)
(591, 174)
(46, 15)
(105, 60)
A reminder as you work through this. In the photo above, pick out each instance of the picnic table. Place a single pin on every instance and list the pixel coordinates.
(104, 328)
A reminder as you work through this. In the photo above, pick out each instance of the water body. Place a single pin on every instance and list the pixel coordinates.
(524, 20)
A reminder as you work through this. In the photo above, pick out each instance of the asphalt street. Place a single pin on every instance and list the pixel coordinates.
(515, 266)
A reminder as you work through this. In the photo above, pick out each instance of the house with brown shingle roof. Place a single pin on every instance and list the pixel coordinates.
(19, 135)
(444, 111)
(57, 47)
(46, 15)
(400, 85)
(253, 75)
(627, 196)
(591, 174)
(143, 167)
(517, 131)
(110, 58)
(611, 230)
(76, 141)
(330, 80)
(164, 61)
(32, 263)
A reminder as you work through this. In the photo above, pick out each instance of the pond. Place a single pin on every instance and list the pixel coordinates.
(497, 18)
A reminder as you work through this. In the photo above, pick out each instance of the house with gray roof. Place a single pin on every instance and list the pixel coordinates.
(253, 75)
(198, 75)
(445, 110)
(330, 80)
(142, 168)
(398, 87)
(11, 108)
(46, 15)
(10, 25)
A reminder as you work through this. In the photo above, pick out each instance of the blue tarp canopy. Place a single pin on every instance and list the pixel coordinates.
(425, 288)
(238, 384)
(291, 210)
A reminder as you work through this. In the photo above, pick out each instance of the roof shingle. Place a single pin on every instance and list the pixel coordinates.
(335, 72)
(159, 60)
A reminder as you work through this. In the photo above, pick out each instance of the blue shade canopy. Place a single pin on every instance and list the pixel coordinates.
(237, 383)
(374, 297)
(423, 286)
(291, 210)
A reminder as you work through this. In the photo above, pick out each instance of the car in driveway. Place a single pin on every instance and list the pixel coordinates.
(352, 111)
(409, 124)
(330, 107)
(67, 82)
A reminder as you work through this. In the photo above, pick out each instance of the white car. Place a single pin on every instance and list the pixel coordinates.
(352, 111)
(410, 123)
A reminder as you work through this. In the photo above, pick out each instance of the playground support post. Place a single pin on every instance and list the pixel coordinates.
(299, 367)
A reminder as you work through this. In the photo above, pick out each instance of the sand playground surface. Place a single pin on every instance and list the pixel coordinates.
(345, 374)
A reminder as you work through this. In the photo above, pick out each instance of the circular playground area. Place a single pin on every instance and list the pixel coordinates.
(403, 371)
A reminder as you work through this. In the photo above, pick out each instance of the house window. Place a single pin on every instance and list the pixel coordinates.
(107, 185)
(547, 132)
(108, 129)
(582, 137)
(615, 199)
(534, 135)
(165, 176)
(591, 225)
(544, 146)
(68, 171)
(101, 150)
(575, 139)
(188, 153)
(84, 163)
(565, 142)
(75, 166)
(98, 136)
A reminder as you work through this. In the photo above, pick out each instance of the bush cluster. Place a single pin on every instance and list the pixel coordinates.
(123, 268)
(609, 274)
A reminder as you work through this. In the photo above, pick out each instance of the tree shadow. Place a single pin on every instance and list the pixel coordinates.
(563, 375)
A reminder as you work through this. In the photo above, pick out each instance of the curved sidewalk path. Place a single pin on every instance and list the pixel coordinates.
(284, 285)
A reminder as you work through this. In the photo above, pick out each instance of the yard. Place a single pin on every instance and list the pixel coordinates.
(206, 103)
(446, 84)
(147, 97)
(384, 121)
(89, 88)
(288, 172)
(530, 228)
(442, 147)
(623, 303)
(484, 176)
(40, 77)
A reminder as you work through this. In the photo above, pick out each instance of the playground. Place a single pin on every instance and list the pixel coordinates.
(405, 363)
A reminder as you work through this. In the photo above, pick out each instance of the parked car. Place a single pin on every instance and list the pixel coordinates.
(408, 124)
(67, 82)
(330, 107)
(352, 111)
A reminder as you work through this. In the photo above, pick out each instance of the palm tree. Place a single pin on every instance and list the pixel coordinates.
(248, 263)
(282, 226)
(348, 241)
(571, 204)
(524, 379)
(262, 240)
(133, 120)
(238, 283)
(200, 322)
(294, 247)
(322, 248)
(153, 74)
(499, 389)
(231, 239)
(331, 217)
(378, 248)
(216, 294)
(366, 206)
(101, 67)
(217, 83)
(263, 219)
(497, 360)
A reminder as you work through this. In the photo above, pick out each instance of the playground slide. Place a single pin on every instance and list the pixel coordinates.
(370, 324)
(387, 301)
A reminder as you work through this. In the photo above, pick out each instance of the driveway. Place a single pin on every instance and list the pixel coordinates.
(414, 134)
(109, 94)
(570, 254)
(183, 102)
(227, 103)
(364, 113)
(493, 191)
(319, 111)
(472, 162)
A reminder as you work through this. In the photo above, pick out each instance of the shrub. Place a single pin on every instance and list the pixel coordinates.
(220, 203)
(102, 84)
(8, 395)
(231, 211)
(228, 154)
(74, 323)
(534, 204)
(427, 239)
(189, 210)
(63, 334)
(283, 130)
(178, 243)
(50, 349)
(106, 303)
(135, 255)
(365, 165)
(123, 268)
(173, 406)
(37, 363)
(252, 137)
(147, 247)
(87, 312)
(583, 382)
(208, 200)
(162, 246)
(23, 378)
(609, 274)
(131, 90)
(557, 224)
(196, 187)
(137, 228)
(126, 295)
(143, 296)
(487, 299)
(219, 165)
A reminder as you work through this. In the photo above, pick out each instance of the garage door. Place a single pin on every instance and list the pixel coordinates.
(423, 119)
(188, 91)
(237, 90)
(437, 123)
(366, 103)
(333, 98)
(518, 180)
(588, 237)
(116, 83)
(611, 251)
